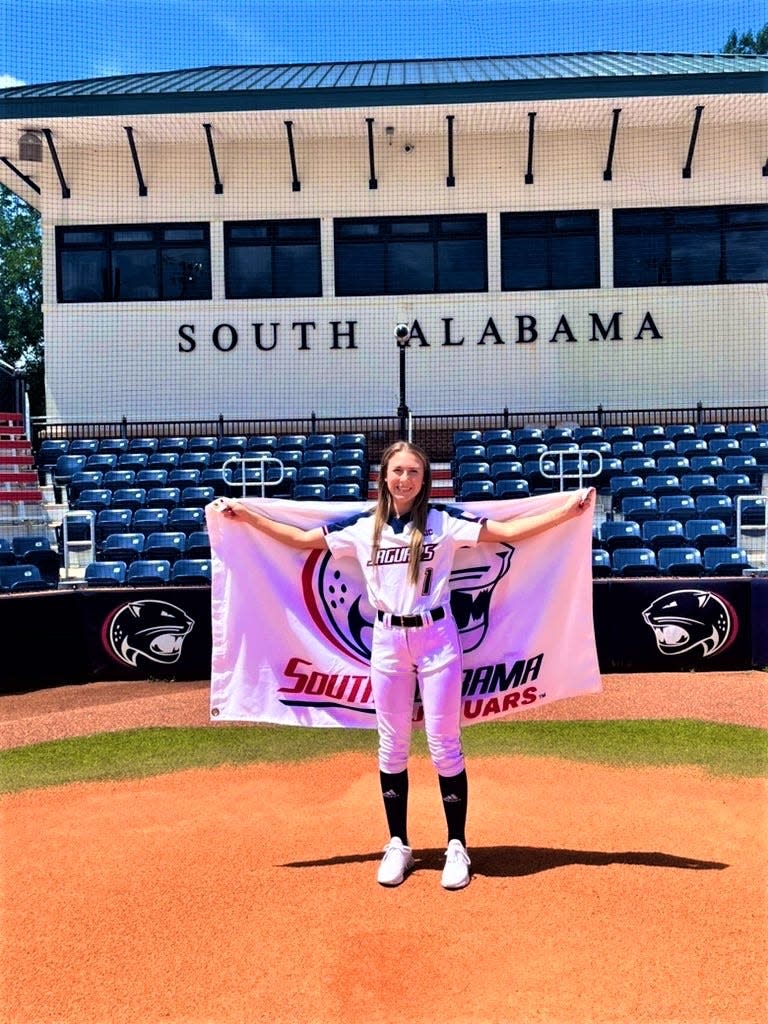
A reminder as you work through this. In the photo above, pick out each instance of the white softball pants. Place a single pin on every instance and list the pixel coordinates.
(431, 656)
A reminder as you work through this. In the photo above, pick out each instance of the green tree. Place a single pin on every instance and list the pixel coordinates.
(21, 293)
(747, 42)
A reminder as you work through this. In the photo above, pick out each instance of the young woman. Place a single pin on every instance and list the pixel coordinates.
(405, 548)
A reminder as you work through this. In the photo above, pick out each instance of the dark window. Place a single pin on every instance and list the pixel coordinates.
(690, 245)
(408, 255)
(550, 250)
(133, 262)
(272, 259)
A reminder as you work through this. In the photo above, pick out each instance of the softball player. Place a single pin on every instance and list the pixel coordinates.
(405, 547)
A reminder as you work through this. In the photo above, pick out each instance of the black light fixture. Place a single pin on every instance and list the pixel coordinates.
(402, 337)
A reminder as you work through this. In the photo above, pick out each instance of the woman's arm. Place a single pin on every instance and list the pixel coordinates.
(293, 536)
(529, 526)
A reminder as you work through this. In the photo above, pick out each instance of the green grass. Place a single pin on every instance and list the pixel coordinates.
(720, 749)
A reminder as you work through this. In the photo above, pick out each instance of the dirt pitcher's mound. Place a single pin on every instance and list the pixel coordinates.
(237, 896)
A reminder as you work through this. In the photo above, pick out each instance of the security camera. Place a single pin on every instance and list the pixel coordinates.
(408, 147)
(402, 334)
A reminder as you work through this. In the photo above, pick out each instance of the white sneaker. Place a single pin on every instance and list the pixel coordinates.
(396, 863)
(456, 870)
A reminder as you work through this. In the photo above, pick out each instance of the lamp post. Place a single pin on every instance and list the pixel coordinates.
(402, 337)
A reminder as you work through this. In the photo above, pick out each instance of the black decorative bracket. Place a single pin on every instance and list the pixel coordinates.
(372, 182)
(295, 183)
(218, 187)
(608, 172)
(450, 181)
(24, 177)
(65, 190)
(529, 170)
(692, 143)
(136, 164)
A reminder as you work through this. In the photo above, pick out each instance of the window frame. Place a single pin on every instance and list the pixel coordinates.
(547, 229)
(110, 247)
(668, 231)
(274, 243)
(437, 233)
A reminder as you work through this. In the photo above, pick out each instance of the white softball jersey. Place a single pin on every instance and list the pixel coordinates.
(387, 582)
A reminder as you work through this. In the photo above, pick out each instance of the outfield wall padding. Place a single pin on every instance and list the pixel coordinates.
(85, 635)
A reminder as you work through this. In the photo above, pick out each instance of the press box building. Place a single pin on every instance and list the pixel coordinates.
(557, 232)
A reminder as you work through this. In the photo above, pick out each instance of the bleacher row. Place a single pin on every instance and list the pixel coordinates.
(140, 502)
(672, 494)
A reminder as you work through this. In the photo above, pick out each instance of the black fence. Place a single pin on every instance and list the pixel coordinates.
(434, 433)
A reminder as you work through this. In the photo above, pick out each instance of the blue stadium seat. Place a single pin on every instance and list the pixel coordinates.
(65, 468)
(50, 450)
(662, 533)
(554, 434)
(618, 433)
(640, 465)
(507, 469)
(93, 499)
(500, 451)
(659, 484)
(475, 489)
(622, 485)
(674, 464)
(679, 431)
(639, 507)
(343, 492)
(197, 496)
(83, 446)
(706, 533)
(309, 492)
(467, 437)
(586, 435)
(689, 446)
(677, 506)
(743, 463)
(112, 520)
(616, 533)
(496, 435)
(646, 431)
(734, 484)
(198, 545)
(129, 497)
(154, 477)
(101, 461)
(351, 439)
(163, 460)
(133, 460)
(626, 446)
(292, 442)
(143, 445)
(122, 547)
(757, 447)
(634, 562)
(165, 544)
(527, 435)
(680, 561)
(7, 555)
(261, 443)
(346, 474)
(163, 497)
(706, 463)
(313, 475)
(469, 453)
(318, 457)
(17, 578)
(232, 443)
(724, 446)
(183, 478)
(473, 470)
(319, 440)
(698, 483)
(507, 489)
(601, 563)
(706, 431)
(657, 446)
(113, 445)
(191, 572)
(148, 572)
(115, 478)
(186, 518)
(725, 561)
(149, 520)
(176, 444)
(203, 443)
(715, 506)
(349, 457)
(741, 430)
(194, 460)
(105, 574)
(87, 480)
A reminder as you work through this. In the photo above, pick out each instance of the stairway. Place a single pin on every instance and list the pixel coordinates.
(21, 497)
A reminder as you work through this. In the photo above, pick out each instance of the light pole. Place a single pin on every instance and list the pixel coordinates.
(402, 337)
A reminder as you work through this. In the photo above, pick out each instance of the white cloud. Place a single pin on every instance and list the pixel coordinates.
(8, 81)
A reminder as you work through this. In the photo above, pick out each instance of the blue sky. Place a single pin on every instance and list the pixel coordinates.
(54, 40)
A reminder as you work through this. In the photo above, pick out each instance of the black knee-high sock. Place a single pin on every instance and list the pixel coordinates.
(453, 790)
(394, 790)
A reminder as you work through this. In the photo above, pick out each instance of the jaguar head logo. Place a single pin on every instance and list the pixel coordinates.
(154, 630)
(683, 620)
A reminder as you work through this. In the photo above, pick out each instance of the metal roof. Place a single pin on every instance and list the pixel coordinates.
(385, 82)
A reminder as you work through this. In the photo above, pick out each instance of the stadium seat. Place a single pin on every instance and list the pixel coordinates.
(165, 544)
(143, 445)
(101, 461)
(83, 446)
(321, 441)
(626, 446)
(202, 443)
(500, 451)
(622, 485)
(309, 492)
(657, 446)
(715, 506)
(163, 497)
(674, 464)
(113, 445)
(261, 443)
(640, 465)
(554, 434)
(677, 506)
(87, 480)
(198, 545)
(196, 496)
(122, 547)
(467, 437)
(734, 484)
(706, 431)
(292, 442)
(623, 432)
(601, 563)
(93, 498)
(586, 435)
(757, 447)
(680, 561)
(183, 478)
(129, 497)
(65, 468)
(646, 431)
(351, 439)
(194, 460)
(706, 533)
(219, 479)
(50, 450)
(172, 444)
(346, 474)
(639, 507)
(17, 578)
(233, 443)
(662, 533)
(472, 470)
(151, 478)
(507, 469)
(105, 574)
(313, 475)
(7, 555)
(723, 446)
(38, 551)
(343, 492)
(741, 430)
(496, 435)
(148, 572)
(510, 488)
(476, 490)
(163, 460)
(634, 562)
(689, 446)
(149, 520)
(725, 561)
(619, 533)
(115, 478)
(318, 457)
(706, 463)
(679, 431)
(743, 463)
(349, 457)
(133, 460)
(659, 484)
(469, 453)
(186, 518)
(112, 520)
(698, 483)
(191, 572)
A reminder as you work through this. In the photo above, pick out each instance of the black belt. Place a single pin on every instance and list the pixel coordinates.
(411, 621)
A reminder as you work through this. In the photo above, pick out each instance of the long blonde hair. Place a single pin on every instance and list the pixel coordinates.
(419, 511)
